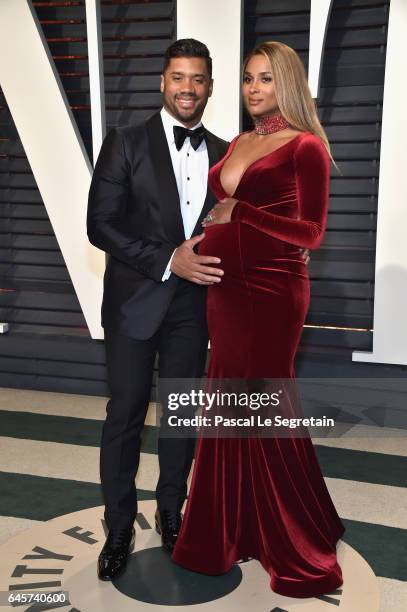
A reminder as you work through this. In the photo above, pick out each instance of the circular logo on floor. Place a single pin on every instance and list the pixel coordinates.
(61, 554)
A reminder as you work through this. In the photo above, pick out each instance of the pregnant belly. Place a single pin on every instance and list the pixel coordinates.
(243, 249)
(222, 241)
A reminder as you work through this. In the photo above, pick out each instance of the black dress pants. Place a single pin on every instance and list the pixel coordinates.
(181, 343)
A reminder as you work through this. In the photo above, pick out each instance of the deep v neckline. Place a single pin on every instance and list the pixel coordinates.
(256, 161)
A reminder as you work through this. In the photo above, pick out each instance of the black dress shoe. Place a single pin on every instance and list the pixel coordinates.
(168, 524)
(113, 557)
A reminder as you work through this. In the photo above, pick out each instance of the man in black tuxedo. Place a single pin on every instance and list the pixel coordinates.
(147, 200)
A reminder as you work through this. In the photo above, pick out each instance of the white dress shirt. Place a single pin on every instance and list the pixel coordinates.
(191, 174)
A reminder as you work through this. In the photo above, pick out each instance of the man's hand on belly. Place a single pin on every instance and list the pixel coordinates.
(306, 256)
(195, 268)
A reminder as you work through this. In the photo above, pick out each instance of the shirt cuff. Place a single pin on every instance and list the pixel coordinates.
(167, 271)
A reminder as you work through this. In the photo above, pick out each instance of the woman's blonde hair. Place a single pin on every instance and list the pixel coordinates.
(293, 95)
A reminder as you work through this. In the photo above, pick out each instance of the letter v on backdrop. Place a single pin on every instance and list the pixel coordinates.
(54, 148)
(390, 294)
(62, 170)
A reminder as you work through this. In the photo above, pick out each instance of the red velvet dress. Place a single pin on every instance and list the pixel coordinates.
(264, 497)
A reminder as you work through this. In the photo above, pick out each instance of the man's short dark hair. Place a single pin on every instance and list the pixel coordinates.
(188, 47)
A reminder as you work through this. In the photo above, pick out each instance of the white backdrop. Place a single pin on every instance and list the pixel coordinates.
(219, 26)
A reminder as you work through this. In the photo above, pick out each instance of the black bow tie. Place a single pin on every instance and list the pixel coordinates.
(195, 136)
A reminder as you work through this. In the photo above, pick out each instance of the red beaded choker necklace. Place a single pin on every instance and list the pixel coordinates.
(268, 124)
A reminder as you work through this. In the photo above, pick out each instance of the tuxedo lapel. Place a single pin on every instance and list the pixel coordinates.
(165, 180)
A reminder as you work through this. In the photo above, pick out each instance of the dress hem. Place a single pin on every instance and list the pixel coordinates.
(300, 589)
(305, 589)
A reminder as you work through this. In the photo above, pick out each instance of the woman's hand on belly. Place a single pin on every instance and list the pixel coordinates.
(220, 213)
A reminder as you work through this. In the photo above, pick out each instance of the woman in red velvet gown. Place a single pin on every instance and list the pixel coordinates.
(264, 497)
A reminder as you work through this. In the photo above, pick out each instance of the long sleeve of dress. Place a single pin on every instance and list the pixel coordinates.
(312, 182)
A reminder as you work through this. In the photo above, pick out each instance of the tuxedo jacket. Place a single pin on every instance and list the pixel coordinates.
(134, 215)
